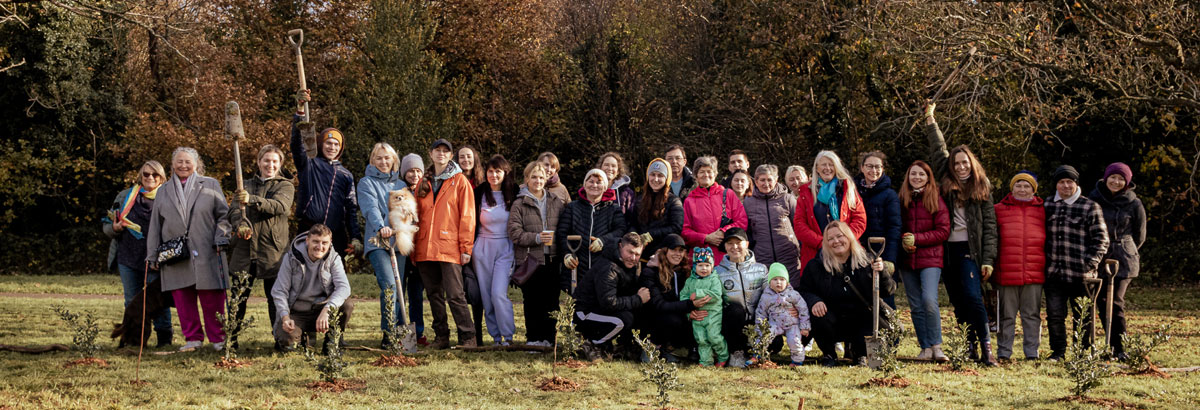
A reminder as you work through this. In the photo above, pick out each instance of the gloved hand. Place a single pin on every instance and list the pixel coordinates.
(244, 231)
(356, 247)
(570, 261)
(987, 271)
(889, 267)
(596, 245)
(242, 196)
(909, 242)
(646, 238)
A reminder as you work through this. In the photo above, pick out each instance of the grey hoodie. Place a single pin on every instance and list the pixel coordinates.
(295, 274)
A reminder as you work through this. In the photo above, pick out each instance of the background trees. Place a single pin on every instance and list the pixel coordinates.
(107, 84)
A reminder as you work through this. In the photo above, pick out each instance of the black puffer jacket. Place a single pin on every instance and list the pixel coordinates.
(670, 223)
(609, 287)
(1125, 218)
(603, 220)
(665, 301)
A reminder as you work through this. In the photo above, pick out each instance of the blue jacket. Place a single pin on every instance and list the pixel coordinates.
(373, 201)
(326, 191)
(883, 215)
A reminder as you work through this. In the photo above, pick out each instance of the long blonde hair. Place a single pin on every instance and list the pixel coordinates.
(858, 255)
(839, 172)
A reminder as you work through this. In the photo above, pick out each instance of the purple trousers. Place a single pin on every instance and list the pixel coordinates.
(212, 302)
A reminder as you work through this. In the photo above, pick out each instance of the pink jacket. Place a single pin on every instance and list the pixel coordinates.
(702, 215)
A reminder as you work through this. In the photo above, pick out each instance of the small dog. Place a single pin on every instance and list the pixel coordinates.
(402, 216)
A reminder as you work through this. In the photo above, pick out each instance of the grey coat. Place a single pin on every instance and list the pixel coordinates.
(770, 216)
(205, 269)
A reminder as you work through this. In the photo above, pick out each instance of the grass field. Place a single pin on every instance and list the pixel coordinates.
(455, 379)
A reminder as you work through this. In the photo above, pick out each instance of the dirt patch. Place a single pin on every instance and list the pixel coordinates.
(395, 361)
(558, 384)
(1099, 401)
(894, 381)
(965, 371)
(231, 363)
(765, 364)
(87, 361)
(337, 386)
(574, 364)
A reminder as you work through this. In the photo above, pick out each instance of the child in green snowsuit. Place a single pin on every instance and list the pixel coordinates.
(708, 330)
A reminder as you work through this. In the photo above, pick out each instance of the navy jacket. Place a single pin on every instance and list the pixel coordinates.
(883, 215)
(324, 185)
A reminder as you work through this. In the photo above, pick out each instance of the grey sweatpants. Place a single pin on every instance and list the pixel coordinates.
(1027, 300)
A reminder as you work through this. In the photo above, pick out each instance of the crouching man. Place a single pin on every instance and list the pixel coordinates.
(311, 279)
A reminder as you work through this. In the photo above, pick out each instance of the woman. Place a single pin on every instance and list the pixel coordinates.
(658, 212)
(597, 218)
(739, 182)
(265, 204)
(126, 224)
(614, 166)
(883, 209)
(445, 238)
(549, 161)
(795, 177)
(840, 312)
(664, 276)
(382, 177)
(1125, 218)
(192, 206)
(531, 228)
(493, 255)
(468, 158)
(710, 209)
(412, 169)
(926, 224)
(326, 190)
(971, 248)
(1021, 269)
(769, 213)
(830, 196)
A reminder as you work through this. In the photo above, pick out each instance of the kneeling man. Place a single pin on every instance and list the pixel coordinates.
(312, 279)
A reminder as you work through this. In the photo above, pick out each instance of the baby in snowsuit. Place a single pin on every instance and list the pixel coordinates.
(774, 305)
(707, 331)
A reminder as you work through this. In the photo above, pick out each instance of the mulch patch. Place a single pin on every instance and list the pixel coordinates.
(225, 363)
(87, 361)
(557, 383)
(337, 386)
(395, 361)
(894, 381)
(766, 364)
(574, 364)
(1106, 403)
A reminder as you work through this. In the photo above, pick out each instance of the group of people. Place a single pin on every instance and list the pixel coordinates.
(688, 260)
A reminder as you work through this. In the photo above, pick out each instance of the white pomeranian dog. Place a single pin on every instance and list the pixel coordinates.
(402, 216)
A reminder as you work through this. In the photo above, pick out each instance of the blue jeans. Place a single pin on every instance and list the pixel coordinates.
(922, 291)
(381, 261)
(131, 281)
(964, 285)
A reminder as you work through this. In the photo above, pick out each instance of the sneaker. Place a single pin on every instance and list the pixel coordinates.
(218, 346)
(720, 364)
(1056, 357)
(808, 347)
(797, 364)
(423, 341)
(926, 354)
(751, 361)
(507, 342)
(738, 359)
(829, 360)
(191, 345)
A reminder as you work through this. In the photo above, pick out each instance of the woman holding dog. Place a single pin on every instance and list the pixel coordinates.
(126, 224)
(382, 177)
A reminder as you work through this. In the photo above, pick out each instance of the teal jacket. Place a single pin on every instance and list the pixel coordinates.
(705, 286)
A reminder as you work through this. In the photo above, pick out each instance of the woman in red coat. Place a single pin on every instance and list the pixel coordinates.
(1021, 219)
(926, 225)
(829, 196)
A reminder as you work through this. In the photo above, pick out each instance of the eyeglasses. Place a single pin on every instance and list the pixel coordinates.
(149, 174)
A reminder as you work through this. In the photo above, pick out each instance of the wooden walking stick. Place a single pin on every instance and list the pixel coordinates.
(235, 132)
(308, 131)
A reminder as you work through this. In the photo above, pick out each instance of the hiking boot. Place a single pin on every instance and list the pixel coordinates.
(829, 360)
(926, 354)
(468, 343)
(938, 354)
(164, 338)
(440, 343)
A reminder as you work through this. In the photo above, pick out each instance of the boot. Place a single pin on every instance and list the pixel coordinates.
(987, 359)
(164, 338)
(938, 354)
(926, 354)
(973, 351)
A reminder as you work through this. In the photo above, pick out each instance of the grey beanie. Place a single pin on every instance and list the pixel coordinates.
(411, 161)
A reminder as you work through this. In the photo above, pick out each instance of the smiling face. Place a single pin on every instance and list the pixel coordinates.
(872, 169)
(740, 183)
(677, 160)
(1022, 190)
(917, 178)
(494, 177)
(466, 158)
(1115, 182)
(440, 155)
(268, 165)
(535, 182)
(738, 161)
(675, 256)
(183, 165)
(736, 249)
(656, 180)
(413, 176)
(796, 179)
(630, 255)
(766, 182)
(594, 187)
(1066, 187)
(706, 176)
(382, 160)
(703, 269)
(825, 169)
(550, 169)
(610, 167)
(318, 246)
(330, 148)
(837, 243)
(149, 179)
(962, 166)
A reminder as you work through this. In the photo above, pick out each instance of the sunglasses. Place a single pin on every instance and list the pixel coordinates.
(150, 174)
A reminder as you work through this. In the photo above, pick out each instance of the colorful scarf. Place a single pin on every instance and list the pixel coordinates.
(827, 194)
(122, 212)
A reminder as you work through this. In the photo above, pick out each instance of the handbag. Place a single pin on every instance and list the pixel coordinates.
(176, 249)
(525, 270)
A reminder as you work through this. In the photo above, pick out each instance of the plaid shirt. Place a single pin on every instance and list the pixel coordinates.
(1076, 238)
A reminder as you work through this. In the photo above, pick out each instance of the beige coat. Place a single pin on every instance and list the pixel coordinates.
(525, 223)
(205, 268)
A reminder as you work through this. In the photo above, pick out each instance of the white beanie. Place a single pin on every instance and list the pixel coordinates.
(603, 176)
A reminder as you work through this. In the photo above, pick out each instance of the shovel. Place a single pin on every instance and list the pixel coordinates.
(1110, 266)
(235, 132)
(409, 341)
(573, 244)
(874, 343)
(308, 131)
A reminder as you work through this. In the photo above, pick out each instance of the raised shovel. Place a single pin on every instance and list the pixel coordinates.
(234, 131)
(874, 344)
(308, 130)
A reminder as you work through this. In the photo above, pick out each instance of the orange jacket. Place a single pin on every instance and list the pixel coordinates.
(447, 222)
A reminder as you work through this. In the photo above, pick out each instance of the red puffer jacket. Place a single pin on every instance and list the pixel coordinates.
(1022, 228)
(805, 223)
(929, 231)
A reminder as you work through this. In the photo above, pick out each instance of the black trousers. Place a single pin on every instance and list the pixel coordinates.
(1060, 296)
(848, 324)
(540, 293)
(241, 313)
(1120, 285)
(733, 322)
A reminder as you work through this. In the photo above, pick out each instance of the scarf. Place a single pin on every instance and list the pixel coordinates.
(183, 190)
(827, 194)
(122, 212)
(1070, 200)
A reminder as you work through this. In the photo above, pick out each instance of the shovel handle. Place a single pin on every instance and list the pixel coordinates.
(1111, 266)
(295, 37)
(876, 240)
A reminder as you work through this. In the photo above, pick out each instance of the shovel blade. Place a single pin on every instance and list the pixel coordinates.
(409, 342)
(308, 136)
(874, 345)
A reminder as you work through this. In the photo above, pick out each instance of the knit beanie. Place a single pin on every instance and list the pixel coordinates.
(777, 270)
(1026, 176)
(333, 133)
(1066, 172)
(702, 255)
(660, 166)
(603, 176)
(411, 161)
(1121, 169)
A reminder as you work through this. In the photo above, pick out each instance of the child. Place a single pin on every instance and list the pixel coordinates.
(708, 330)
(774, 305)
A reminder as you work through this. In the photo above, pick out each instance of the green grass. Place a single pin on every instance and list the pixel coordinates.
(452, 379)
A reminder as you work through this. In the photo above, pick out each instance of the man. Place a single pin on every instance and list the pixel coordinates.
(738, 161)
(312, 279)
(609, 295)
(682, 182)
(744, 280)
(1076, 241)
